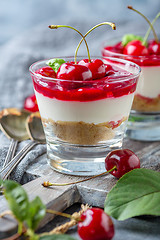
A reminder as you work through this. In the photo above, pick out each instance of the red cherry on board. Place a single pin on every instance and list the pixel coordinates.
(96, 66)
(30, 104)
(124, 159)
(46, 72)
(154, 47)
(135, 48)
(95, 225)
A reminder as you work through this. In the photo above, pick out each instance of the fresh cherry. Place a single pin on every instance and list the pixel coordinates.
(46, 72)
(95, 224)
(117, 163)
(96, 66)
(30, 103)
(124, 159)
(154, 47)
(72, 71)
(135, 48)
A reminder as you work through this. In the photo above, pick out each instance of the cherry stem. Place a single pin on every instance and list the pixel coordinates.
(48, 184)
(58, 26)
(98, 25)
(149, 30)
(66, 215)
(154, 33)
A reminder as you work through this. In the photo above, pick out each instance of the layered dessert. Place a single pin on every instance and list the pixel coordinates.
(92, 106)
(146, 53)
(147, 96)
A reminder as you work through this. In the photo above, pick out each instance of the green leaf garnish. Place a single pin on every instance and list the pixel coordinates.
(36, 212)
(136, 193)
(55, 63)
(129, 37)
(57, 237)
(17, 199)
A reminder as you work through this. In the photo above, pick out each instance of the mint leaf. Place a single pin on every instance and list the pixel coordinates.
(136, 193)
(36, 212)
(129, 37)
(56, 237)
(55, 63)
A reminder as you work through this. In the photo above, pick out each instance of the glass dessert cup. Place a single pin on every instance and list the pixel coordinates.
(144, 120)
(84, 120)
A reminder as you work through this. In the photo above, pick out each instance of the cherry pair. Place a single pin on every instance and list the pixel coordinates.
(84, 70)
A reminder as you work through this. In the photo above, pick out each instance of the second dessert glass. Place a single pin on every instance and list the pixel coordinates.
(84, 120)
(144, 120)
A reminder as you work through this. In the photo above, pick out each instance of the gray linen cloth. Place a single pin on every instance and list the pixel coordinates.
(41, 43)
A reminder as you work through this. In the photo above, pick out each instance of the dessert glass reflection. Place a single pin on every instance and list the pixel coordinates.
(84, 120)
(144, 120)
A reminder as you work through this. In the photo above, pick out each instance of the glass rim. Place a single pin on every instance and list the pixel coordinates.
(120, 55)
(116, 60)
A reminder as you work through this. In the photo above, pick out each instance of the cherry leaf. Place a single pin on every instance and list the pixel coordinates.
(136, 193)
(36, 212)
(17, 199)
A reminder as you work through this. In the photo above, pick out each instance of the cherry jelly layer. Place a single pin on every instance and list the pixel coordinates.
(116, 83)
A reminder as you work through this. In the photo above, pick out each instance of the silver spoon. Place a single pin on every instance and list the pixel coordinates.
(35, 128)
(35, 131)
(12, 123)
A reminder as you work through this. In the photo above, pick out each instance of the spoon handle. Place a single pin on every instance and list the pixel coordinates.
(11, 152)
(13, 163)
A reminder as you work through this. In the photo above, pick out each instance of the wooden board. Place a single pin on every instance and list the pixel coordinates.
(92, 192)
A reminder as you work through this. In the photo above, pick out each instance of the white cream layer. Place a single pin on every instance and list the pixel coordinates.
(149, 82)
(105, 110)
